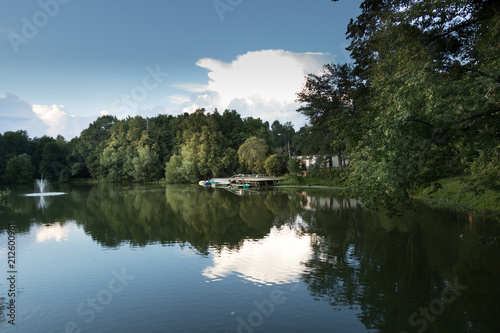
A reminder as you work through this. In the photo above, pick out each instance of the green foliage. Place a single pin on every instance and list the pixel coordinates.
(420, 103)
(146, 164)
(485, 170)
(320, 177)
(454, 193)
(252, 155)
(53, 164)
(76, 160)
(46, 155)
(138, 149)
(188, 170)
(181, 169)
(3, 205)
(329, 104)
(3, 195)
(93, 142)
(13, 144)
(295, 167)
(173, 170)
(273, 165)
(20, 170)
(230, 161)
(282, 137)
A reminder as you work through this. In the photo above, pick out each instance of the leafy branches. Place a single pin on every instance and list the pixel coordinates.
(421, 101)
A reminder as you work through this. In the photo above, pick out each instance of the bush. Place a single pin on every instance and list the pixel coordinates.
(273, 165)
(295, 167)
(19, 169)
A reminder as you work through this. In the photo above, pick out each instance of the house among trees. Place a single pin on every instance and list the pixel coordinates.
(322, 161)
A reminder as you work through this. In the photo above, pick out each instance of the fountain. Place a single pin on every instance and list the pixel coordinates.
(41, 185)
(42, 188)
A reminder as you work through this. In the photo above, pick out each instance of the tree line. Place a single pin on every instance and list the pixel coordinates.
(181, 149)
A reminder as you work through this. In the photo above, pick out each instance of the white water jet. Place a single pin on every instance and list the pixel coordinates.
(42, 188)
(41, 185)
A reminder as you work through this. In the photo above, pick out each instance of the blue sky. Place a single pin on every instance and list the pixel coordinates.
(65, 62)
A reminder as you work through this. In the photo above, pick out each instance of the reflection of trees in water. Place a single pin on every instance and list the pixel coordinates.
(390, 268)
(332, 272)
(204, 218)
(385, 268)
(140, 215)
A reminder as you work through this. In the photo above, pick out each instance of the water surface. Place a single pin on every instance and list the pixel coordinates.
(116, 258)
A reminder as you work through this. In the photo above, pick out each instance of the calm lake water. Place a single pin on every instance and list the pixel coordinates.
(114, 258)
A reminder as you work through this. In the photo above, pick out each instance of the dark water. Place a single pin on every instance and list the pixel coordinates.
(114, 258)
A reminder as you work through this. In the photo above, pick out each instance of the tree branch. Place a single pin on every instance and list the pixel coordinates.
(479, 115)
(456, 28)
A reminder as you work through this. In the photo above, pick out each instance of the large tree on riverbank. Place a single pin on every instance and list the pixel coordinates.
(252, 155)
(328, 99)
(430, 78)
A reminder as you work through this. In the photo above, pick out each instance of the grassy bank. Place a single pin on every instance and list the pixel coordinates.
(318, 178)
(455, 195)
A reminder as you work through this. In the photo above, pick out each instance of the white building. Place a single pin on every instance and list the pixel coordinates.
(323, 161)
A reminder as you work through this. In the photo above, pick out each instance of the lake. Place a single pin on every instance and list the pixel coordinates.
(137, 258)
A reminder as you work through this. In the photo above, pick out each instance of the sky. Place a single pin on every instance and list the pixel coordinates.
(63, 63)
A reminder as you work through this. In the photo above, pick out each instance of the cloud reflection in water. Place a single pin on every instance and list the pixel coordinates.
(277, 258)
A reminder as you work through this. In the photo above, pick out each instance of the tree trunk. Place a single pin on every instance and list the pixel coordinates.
(339, 157)
(330, 163)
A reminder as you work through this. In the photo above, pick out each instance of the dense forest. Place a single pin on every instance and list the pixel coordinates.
(420, 102)
(181, 149)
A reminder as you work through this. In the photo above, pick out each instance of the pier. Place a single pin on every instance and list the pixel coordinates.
(254, 180)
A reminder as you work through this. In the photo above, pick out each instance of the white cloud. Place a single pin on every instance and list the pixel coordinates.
(39, 120)
(258, 84)
(178, 99)
(16, 114)
(60, 121)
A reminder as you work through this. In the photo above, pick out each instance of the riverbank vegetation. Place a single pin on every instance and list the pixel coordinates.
(455, 194)
(180, 149)
(419, 103)
(315, 177)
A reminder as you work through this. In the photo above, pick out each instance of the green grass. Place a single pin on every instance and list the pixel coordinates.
(456, 195)
(319, 178)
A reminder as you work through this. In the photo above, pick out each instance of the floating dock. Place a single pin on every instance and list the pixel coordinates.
(252, 180)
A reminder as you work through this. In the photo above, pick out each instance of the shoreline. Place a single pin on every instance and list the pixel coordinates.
(449, 203)
(452, 196)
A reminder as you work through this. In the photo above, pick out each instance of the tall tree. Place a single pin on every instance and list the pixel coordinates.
(54, 164)
(19, 169)
(252, 155)
(432, 73)
(282, 136)
(331, 108)
(93, 140)
(13, 144)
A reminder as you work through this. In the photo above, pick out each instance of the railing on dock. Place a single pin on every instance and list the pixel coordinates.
(251, 179)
